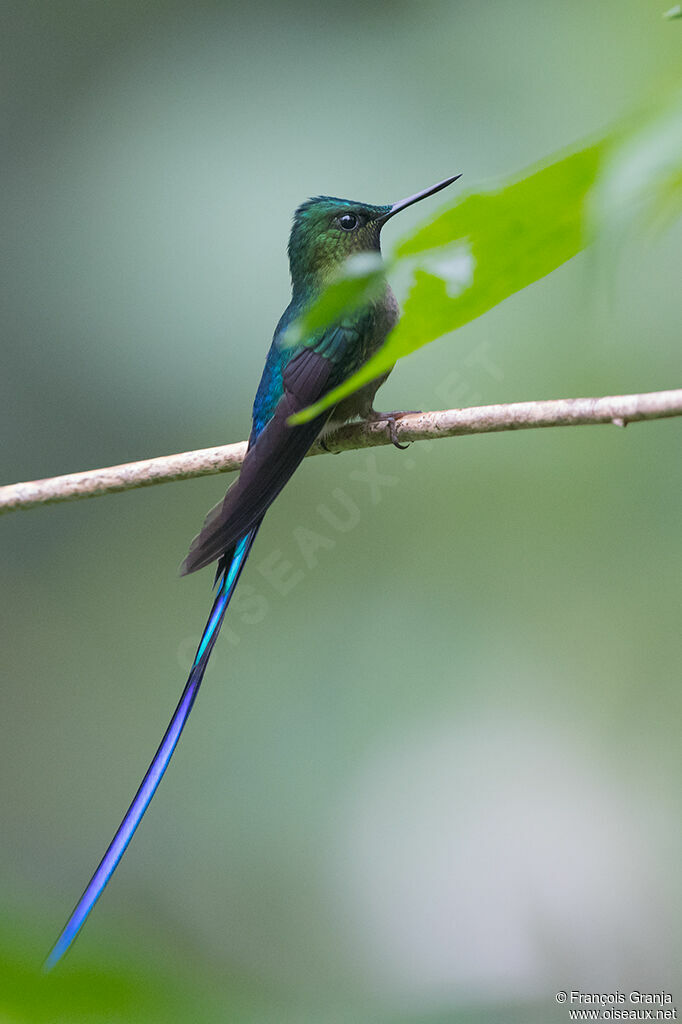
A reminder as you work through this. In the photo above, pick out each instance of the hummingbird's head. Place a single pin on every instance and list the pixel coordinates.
(326, 231)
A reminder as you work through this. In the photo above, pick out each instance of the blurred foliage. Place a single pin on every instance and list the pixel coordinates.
(117, 991)
(84, 994)
(488, 245)
(640, 184)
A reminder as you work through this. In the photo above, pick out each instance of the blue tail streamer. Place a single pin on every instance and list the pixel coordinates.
(156, 769)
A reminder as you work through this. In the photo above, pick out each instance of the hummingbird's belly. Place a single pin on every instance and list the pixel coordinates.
(359, 404)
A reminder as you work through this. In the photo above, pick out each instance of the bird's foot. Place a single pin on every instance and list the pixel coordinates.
(390, 419)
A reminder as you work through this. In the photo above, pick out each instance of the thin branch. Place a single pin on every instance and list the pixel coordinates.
(566, 412)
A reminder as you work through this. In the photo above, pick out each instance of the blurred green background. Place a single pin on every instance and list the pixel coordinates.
(438, 779)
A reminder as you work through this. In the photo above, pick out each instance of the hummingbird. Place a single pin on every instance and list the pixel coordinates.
(326, 232)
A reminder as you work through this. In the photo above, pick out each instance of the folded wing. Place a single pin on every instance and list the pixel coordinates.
(273, 456)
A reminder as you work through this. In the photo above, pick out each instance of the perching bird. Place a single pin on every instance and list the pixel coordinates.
(325, 233)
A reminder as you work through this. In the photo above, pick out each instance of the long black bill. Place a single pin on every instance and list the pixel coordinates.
(404, 203)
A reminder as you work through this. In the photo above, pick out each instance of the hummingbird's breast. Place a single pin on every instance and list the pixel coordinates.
(386, 315)
(380, 318)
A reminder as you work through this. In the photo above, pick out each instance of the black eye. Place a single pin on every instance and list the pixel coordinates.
(348, 221)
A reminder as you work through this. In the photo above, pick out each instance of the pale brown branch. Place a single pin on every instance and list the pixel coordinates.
(617, 409)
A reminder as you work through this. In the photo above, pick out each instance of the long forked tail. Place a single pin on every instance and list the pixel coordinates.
(156, 769)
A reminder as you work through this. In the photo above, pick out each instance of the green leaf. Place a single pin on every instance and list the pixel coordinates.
(488, 245)
(516, 235)
(481, 250)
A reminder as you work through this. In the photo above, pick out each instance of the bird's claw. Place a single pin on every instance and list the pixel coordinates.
(393, 434)
(390, 418)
